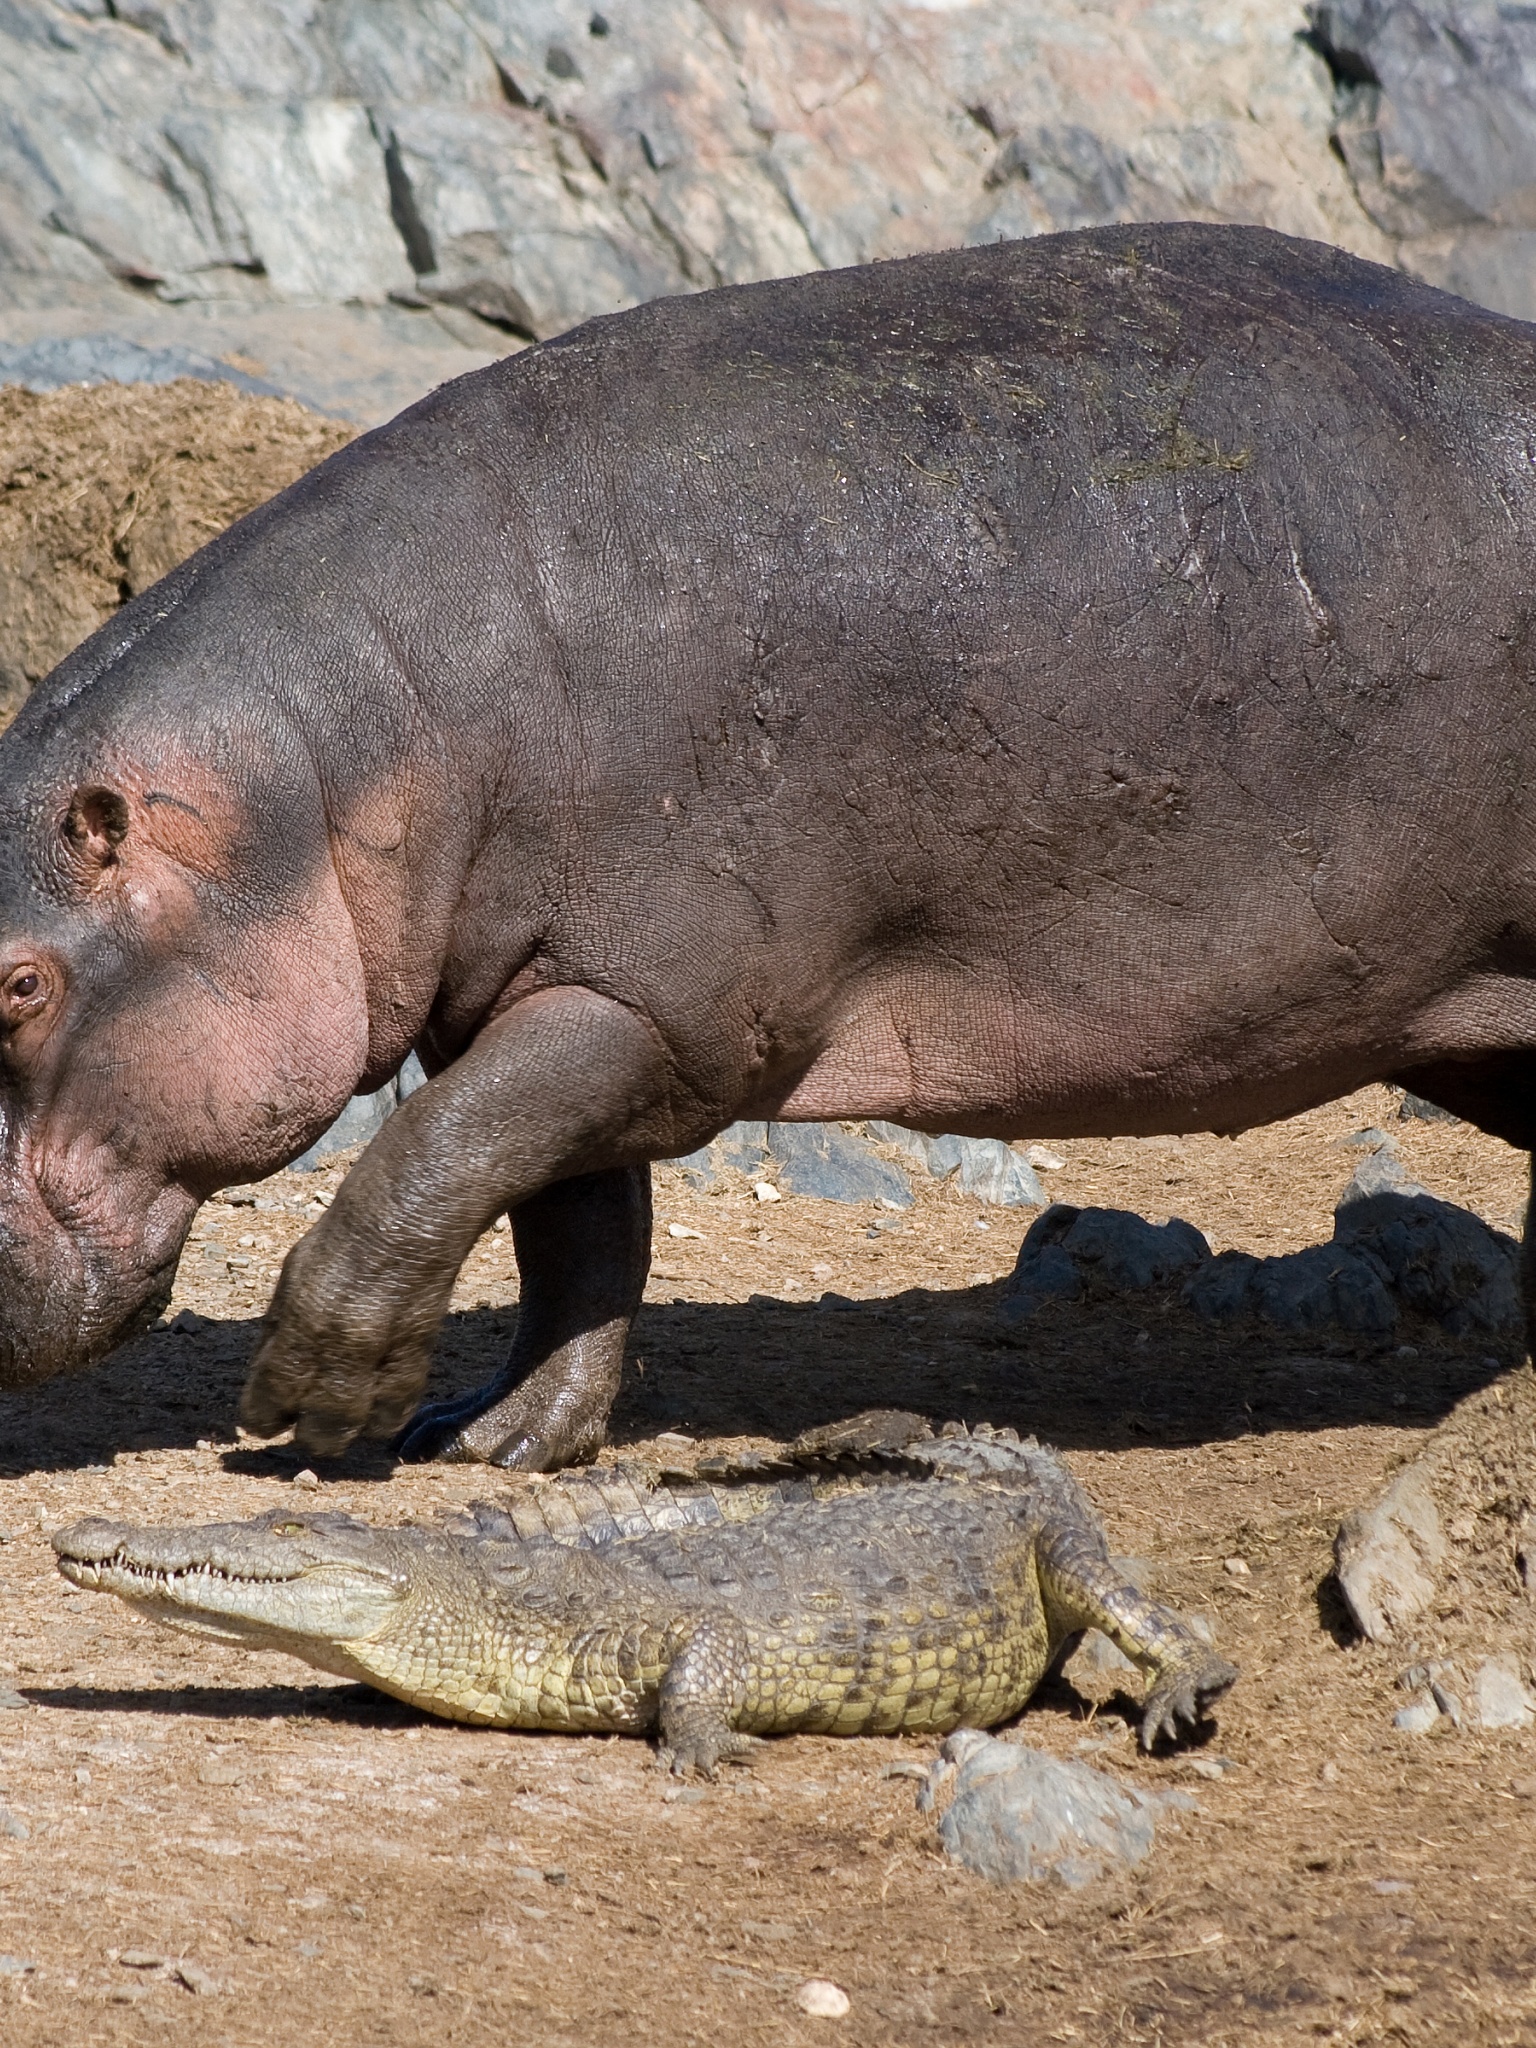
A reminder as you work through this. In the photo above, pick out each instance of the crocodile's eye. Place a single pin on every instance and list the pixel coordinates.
(289, 1529)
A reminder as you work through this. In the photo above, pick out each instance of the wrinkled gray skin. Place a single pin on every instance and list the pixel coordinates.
(1067, 687)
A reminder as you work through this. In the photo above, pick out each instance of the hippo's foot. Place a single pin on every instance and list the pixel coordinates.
(557, 1415)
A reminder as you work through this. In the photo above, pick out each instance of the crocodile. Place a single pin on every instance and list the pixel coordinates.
(874, 1578)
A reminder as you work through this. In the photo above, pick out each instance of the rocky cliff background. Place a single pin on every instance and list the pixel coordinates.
(348, 199)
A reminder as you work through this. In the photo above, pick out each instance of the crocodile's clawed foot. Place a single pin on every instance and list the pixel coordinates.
(699, 1755)
(1184, 1695)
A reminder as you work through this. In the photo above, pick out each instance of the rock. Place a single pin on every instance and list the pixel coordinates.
(187, 1323)
(1069, 1251)
(1440, 1260)
(14, 1966)
(1388, 1556)
(983, 1167)
(110, 359)
(1420, 1108)
(822, 1160)
(13, 1828)
(197, 1979)
(1417, 1718)
(1044, 1160)
(1436, 120)
(307, 1480)
(1371, 1139)
(1323, 1286)
(363, 1116)
(1016, 1814)
(1497, 1694)
(765, 1191)
(11, 1701)
(822, 1999)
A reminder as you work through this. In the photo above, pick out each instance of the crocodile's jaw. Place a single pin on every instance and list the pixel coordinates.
(320, 1614)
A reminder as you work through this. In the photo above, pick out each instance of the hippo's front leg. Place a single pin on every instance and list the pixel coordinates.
(565, 1084)
(583, 1251)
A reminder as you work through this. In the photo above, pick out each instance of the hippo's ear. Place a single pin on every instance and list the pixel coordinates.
(95, 826)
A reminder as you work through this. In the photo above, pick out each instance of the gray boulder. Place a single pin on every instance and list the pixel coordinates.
(362, 1117)
(1069, 1252)
(987, 1168)
(110, 359)
(823, 1160)
(1436, 120)
(1016, 1815)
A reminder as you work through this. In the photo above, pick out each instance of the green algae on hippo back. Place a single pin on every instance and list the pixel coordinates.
(844, 1598)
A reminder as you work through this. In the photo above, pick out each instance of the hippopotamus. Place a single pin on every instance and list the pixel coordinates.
(1073, 686)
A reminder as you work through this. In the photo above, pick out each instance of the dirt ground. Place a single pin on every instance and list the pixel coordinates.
(219, 1848)
(103, 491)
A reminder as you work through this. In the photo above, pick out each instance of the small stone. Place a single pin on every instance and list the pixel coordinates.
(1237, 1566)
(822, 1999)
(1388, 1886)
(1371, 1139)
(197, 1980)
(12, 1828)
(187, 1323)
(1523, 1787)
(1329, 1774)
(1018, 1814)
(529, 1873)
(906, 1769)
(765, 1191)
(1417, 1718)
(1212, 1768)
(140, 1959)
(557, 1874)
(1044, 1160)
(15, 1966)
(11, 1701)
(307, 1479)
(683, 1230)
(674, 1440)
(1498, 1696)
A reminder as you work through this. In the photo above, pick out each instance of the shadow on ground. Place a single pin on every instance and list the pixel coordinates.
(1080, 1375)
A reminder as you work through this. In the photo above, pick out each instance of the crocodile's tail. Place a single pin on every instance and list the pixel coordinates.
(602, 1504)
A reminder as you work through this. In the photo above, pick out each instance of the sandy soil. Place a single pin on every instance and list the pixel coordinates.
(220, 1848)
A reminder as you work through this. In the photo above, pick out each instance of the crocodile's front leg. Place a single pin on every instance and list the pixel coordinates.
(702, 1692)
(566, 1083)
(1082, 1589)
(583, 1251)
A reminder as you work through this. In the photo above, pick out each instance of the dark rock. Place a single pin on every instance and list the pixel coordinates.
(1070, 1251)
(1323, 1286)
(1421, 1108)
(824, 1161)
(1441, 1261)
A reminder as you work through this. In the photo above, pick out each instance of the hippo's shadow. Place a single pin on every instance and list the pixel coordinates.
(1098, 1376)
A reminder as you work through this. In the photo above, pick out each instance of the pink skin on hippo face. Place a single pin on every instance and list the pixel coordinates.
(152, 1052)
(1075, 686)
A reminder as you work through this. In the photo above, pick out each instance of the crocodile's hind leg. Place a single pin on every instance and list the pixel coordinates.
(1082, 1589)
(701, 1695)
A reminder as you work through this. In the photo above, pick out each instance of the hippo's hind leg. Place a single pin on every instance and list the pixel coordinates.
(583, 1250)
(566, 1089)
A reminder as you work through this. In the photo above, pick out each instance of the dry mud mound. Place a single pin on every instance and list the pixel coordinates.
(103, 491)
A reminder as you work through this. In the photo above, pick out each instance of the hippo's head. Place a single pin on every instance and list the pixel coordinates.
(181, 1005)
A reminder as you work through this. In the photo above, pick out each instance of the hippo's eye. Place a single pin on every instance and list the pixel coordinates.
(24, 992)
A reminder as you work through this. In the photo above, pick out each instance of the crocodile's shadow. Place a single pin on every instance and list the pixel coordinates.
(1082, 1375)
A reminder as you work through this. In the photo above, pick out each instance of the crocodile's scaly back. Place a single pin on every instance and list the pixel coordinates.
(865, 1579)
